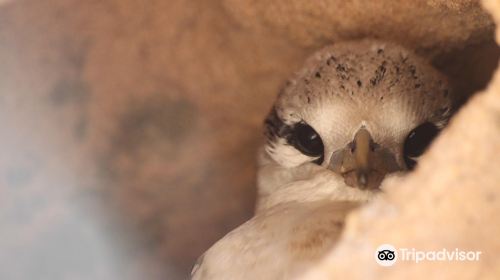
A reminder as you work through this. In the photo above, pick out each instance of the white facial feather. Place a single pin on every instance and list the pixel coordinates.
(285, 154)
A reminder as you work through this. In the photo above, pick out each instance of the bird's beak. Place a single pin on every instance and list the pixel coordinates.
(363, 163)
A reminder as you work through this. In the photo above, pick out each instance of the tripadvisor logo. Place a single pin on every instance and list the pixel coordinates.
(387, 255)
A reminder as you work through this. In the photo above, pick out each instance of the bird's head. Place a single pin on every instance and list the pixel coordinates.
(360, 109)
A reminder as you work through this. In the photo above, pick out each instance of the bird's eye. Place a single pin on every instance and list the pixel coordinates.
(417, 142)
(307, 140)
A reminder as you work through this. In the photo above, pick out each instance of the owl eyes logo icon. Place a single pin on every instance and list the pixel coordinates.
(386, 255)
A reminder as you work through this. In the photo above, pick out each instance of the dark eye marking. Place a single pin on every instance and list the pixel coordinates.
(417, 141)
(275, 127)
(301, 136)
(305, 139)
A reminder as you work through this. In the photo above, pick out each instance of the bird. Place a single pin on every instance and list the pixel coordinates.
(357, 115)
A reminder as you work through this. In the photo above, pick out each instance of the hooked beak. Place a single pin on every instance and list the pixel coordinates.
(363, 163)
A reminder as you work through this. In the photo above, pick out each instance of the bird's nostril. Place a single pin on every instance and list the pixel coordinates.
(353, 147)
